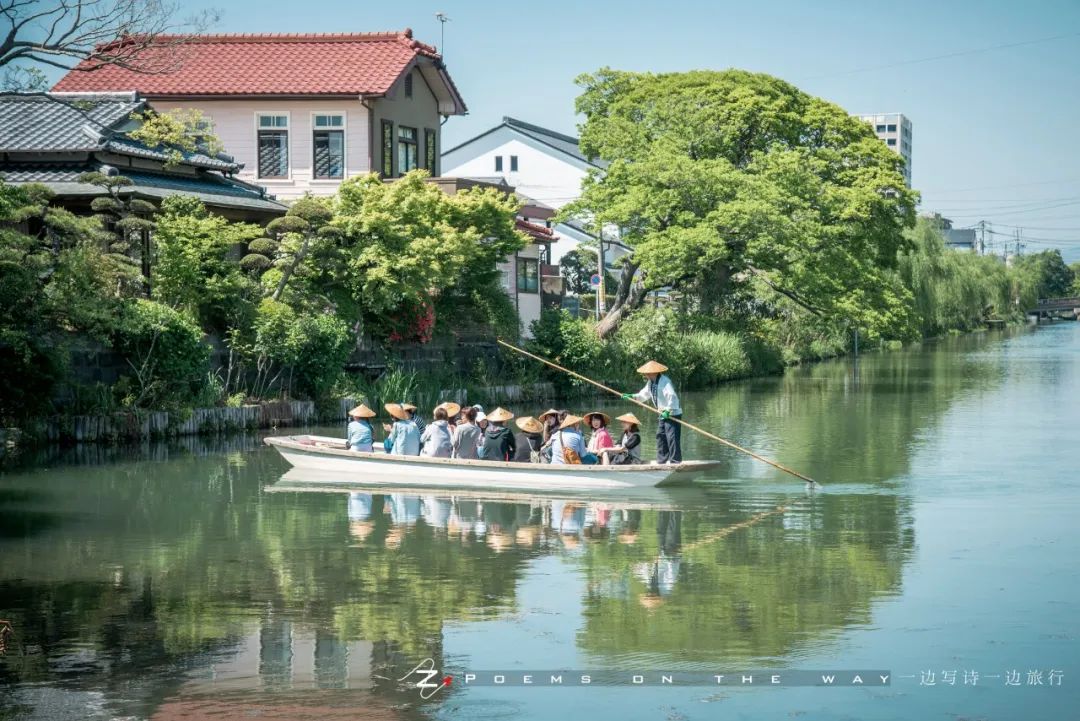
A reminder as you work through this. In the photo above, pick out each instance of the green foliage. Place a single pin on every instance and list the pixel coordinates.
(734, 175)
(697, 358)
(176, 132)
(299, 352)
(950, 290)
(1044, 274)
(81, 294)
(166, 354)
(263, 246)
(407, 242)
(193, 271)
(571, 343)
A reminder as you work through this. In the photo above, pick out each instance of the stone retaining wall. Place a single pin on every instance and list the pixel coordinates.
(115, 427)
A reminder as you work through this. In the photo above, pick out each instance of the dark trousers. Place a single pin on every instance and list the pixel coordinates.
(668, 441)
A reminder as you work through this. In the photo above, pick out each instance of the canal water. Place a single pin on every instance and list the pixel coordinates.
(201, 580)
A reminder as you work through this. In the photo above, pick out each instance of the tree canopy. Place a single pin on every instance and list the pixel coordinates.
(734, 177)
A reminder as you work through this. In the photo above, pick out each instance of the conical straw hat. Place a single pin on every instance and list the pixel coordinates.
(410, 407)
(548, 412)
(569, 422)
(530, 424)
(589, 416)
(499, 415)
(652, 367)
(362, 411)
(396, 410)
(629, 418)
(451, 408)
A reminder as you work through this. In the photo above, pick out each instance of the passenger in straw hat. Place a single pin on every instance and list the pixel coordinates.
(498, 443)
(550, 419)
(660, 393)
(601, 437)
(629, 449)
(467, 436)
(567, 446)
(529, 441)
(403, 438)
(416, 418)
(453, 410)
(436, 441)
(360, 435)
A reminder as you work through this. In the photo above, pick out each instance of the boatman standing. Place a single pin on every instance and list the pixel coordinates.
(660, 392)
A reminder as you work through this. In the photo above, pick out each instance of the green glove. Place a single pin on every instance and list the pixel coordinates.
(627, 397)
(664, 415)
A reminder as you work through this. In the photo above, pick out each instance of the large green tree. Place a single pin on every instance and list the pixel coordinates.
(1045, 274)
(408, 242)
(729, 178)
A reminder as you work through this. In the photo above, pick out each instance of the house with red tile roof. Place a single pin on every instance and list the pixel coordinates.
(300, 112)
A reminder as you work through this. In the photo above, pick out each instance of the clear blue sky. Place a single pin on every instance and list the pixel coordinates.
(996, 134)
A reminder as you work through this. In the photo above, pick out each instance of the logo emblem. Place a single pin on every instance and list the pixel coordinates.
(429, 682)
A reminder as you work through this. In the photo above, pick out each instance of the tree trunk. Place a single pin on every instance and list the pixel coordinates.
(287, 273)
(631, 295)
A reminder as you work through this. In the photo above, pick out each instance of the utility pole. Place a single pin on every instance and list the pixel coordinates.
(982, 237)
(600, 300)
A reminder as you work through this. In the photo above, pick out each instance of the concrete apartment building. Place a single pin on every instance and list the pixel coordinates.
(895, 130)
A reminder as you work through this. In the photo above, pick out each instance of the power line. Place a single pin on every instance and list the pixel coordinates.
(944, 56)
(1010, 185)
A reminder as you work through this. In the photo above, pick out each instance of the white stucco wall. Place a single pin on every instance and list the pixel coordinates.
(528, 304)
(544, 174)
(235, 124)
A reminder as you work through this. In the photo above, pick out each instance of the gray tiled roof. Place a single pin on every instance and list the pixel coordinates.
(566, 143)
(211, 188)
(83, 122)
(62, 122)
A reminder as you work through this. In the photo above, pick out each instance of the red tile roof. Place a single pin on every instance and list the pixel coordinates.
(262, 65)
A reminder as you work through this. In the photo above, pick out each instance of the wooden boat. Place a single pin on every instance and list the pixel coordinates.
(321, 453)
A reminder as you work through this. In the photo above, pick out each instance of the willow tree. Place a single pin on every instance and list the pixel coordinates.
(721, 178)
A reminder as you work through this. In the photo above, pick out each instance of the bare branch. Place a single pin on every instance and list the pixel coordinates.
(143, 36)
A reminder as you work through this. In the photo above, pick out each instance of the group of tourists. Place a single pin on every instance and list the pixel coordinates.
(555, 436)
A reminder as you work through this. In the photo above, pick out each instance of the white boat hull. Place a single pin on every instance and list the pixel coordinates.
(317, 453)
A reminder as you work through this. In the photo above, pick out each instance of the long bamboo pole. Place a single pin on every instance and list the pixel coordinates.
(647, 407)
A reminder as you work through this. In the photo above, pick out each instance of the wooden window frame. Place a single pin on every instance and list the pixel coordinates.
(386, 142)
(415, 143)
(343, 129)
(288, 144)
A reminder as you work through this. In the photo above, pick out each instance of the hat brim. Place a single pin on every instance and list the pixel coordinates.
(548, 412)
(653, 367)
(529, 424)
(589, 416)
(362, 411)
(499, 415)
(397, 411)
(629, 418)
(451, 408)
(569, 422)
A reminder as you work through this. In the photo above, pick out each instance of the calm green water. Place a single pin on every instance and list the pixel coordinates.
(195, 581)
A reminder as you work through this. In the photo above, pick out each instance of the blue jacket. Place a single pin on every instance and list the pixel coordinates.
(572, 439)
(360, 436)
(404, 439)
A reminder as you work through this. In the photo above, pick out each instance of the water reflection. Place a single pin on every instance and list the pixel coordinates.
(205, 580)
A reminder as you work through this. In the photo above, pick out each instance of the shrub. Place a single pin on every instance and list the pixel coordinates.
(571, 343)
(309, 350)
(716, 357)
(166, 354)
(263, 246)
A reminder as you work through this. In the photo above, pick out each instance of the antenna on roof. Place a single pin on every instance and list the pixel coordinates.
(443, 18)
